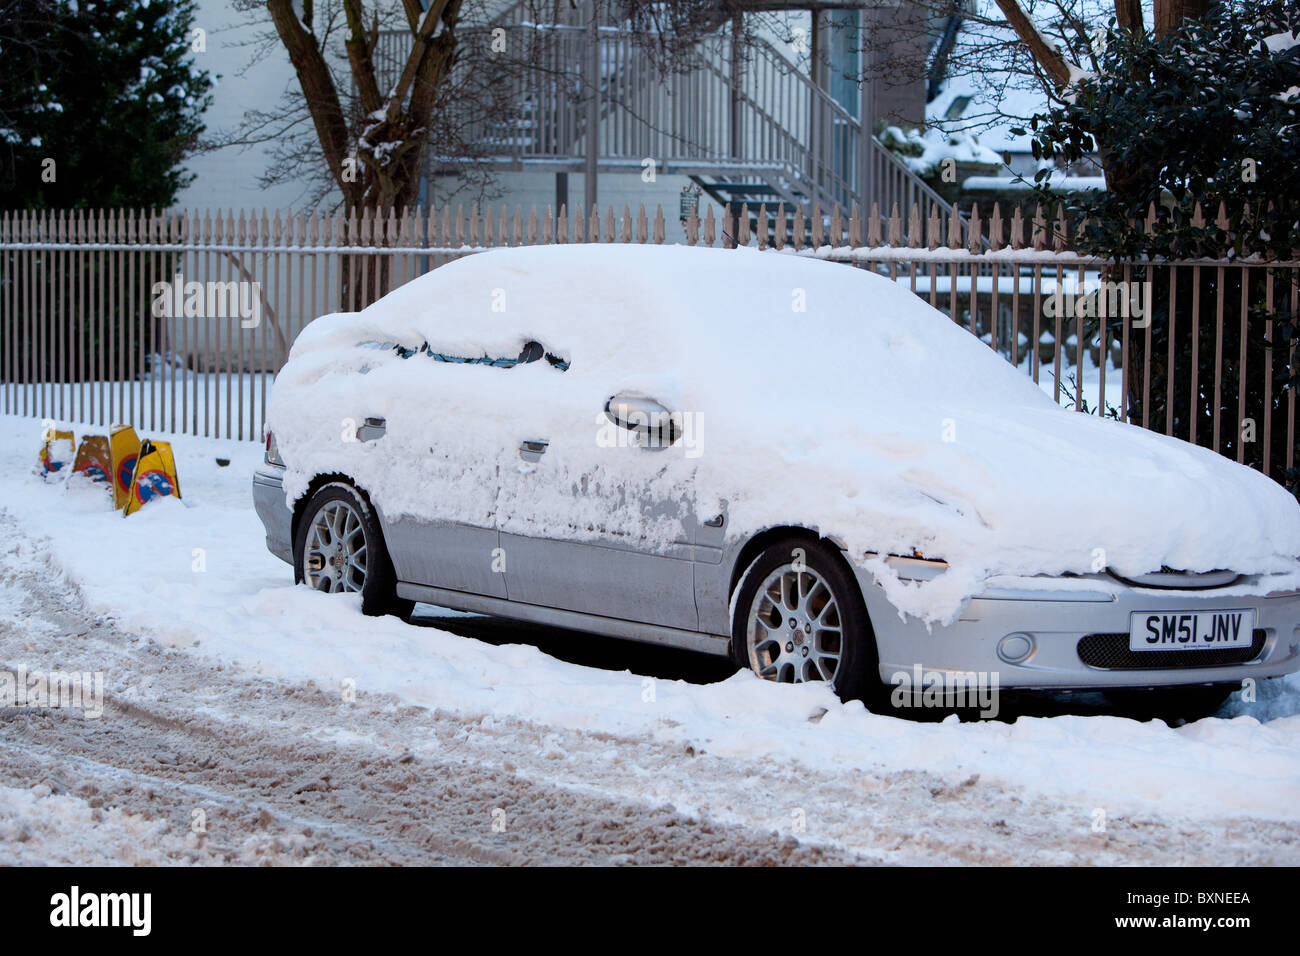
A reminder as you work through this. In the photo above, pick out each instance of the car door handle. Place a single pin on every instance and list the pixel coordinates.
(371, 429)
(532, 449)
(714, 522)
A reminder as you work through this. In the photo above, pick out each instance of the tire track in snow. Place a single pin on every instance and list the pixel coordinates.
(267, 763)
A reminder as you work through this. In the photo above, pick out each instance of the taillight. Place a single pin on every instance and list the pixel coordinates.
(272, 452)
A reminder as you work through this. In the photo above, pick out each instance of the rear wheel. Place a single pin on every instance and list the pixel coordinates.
(799, 617)
(339, 547)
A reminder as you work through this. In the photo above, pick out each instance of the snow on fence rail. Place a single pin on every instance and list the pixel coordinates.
(178, 321)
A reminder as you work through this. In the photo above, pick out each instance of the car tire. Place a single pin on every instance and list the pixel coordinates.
(1171, 703)
(825, 643)
(339, 546)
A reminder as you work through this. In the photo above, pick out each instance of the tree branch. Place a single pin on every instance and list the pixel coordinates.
(363, 68)
(416, 59)
(412, 8)
(317, 89)
(1047, 55)
(1128, 14)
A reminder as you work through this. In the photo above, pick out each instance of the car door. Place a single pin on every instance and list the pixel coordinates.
(623, 546)
(446, 554)
(448, 537)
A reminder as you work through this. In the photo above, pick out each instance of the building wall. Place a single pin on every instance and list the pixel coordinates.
(901, 42)
(228, 178)
(897, 39)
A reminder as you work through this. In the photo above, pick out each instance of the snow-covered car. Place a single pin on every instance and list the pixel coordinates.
(793, 462)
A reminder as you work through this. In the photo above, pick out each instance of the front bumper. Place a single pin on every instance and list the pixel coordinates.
(277, 519)
(1053, 623)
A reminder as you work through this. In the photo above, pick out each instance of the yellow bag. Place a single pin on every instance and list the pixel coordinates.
(154, 476)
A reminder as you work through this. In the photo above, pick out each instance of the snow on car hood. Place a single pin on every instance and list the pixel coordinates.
(813, 394)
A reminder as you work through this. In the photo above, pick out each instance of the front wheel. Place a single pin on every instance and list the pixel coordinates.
(339, 547)
(799, 617)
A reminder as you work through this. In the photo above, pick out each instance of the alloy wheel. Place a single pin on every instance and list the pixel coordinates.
(793, 631)
(335, 556)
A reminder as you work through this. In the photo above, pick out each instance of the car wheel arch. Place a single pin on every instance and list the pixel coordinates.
(826, 558)
(379, 588)
(315, 485)
(760, 542)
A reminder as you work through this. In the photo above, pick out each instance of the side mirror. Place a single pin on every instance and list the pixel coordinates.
(652, 424)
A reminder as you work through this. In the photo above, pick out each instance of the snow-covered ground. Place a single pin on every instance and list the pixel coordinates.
(187, 587)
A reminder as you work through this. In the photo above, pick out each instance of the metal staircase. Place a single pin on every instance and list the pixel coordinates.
(742, 121)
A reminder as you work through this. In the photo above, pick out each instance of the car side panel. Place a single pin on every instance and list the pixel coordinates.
(605, 577)
(445, 554)
(277, 519)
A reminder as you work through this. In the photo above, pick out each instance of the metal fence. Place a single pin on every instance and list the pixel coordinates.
(177, 322)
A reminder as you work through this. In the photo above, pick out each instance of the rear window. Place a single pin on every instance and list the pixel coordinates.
(530, 352)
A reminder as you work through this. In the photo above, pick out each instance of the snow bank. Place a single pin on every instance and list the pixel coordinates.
(825, 396)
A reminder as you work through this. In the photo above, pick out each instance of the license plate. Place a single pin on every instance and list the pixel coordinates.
(1190, 631)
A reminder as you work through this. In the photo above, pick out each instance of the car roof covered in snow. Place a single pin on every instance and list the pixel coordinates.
(788, 321)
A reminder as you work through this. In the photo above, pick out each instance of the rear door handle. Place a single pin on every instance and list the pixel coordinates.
(532, 449)
(371, 429)
(714, 522)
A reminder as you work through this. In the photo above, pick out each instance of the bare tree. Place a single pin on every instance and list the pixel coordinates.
(380, 86)
(373, 83)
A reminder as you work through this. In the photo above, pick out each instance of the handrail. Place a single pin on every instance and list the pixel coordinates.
(839, 114)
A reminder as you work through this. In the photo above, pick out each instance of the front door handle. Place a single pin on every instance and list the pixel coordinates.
(532, 449)
(714, 522)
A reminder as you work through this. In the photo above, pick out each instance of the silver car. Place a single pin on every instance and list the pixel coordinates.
(418, 499)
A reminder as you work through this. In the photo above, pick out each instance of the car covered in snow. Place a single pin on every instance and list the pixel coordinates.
(796, 463)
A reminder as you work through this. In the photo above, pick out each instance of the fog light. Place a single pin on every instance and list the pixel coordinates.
(1015, 648)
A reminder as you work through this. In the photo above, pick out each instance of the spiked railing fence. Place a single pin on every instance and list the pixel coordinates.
(178, 321)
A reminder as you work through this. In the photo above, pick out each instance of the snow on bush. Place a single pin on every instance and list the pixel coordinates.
(925, 152)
